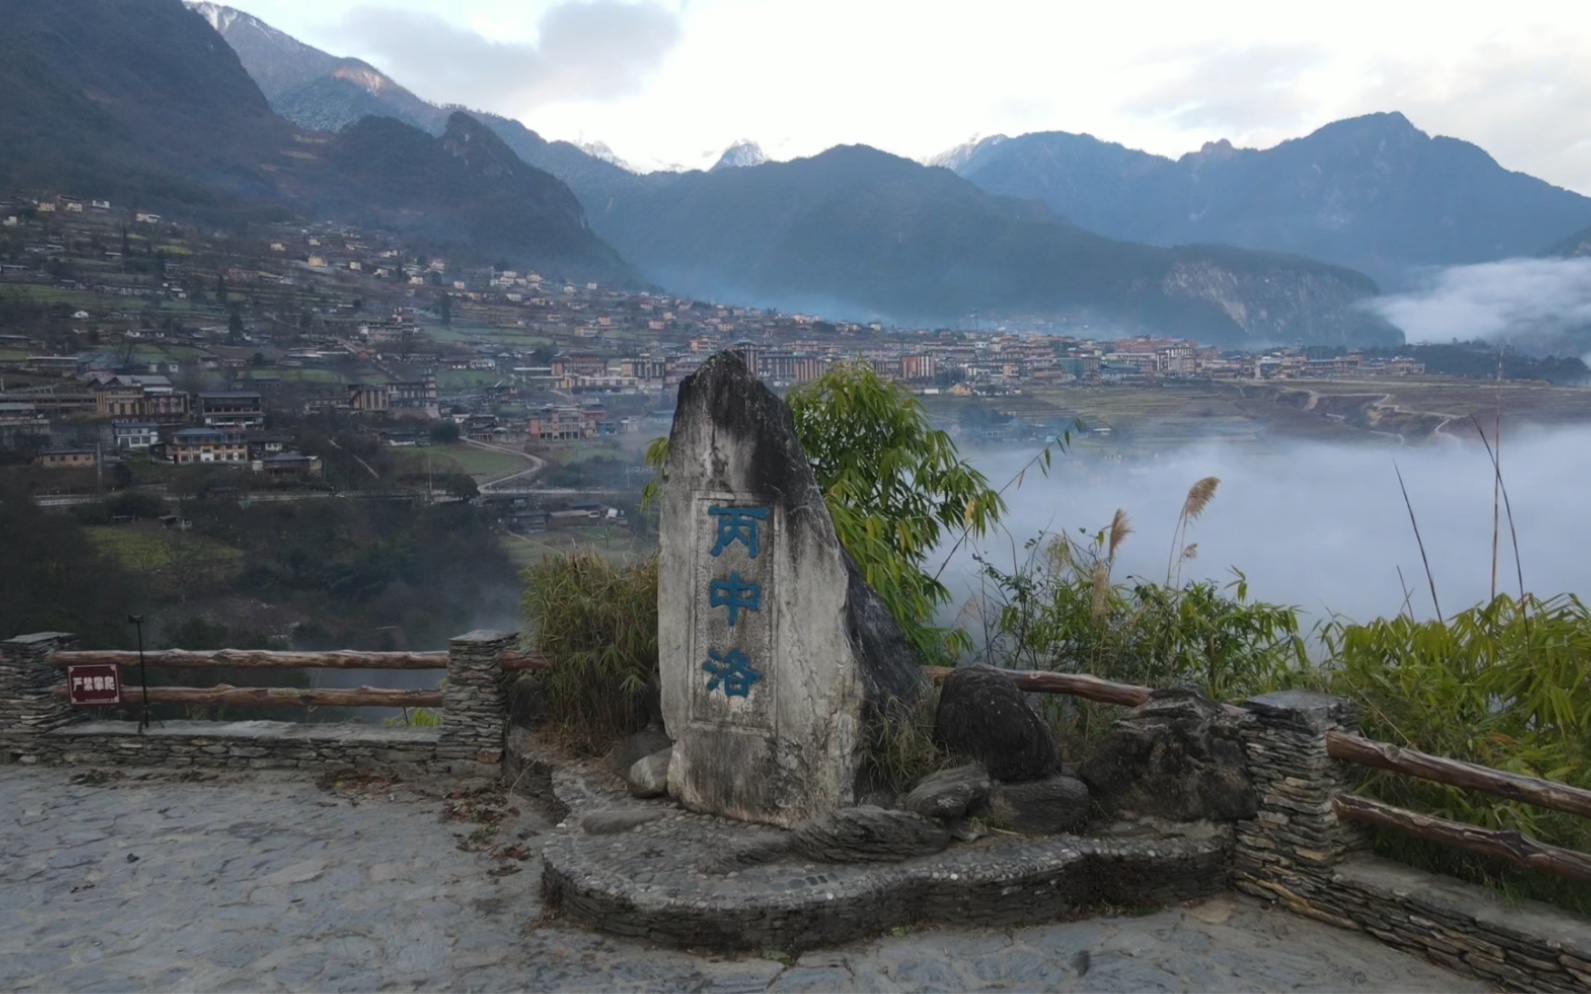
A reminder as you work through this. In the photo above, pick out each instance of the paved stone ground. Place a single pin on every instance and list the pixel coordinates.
(266, 882)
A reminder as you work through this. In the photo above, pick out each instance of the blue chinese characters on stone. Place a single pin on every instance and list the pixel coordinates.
(735, 594)
(732, 671)
(738, 524)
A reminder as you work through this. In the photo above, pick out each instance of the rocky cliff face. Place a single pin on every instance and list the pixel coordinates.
(1283, 303)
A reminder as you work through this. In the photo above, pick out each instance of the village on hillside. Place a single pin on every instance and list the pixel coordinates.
(134, 344)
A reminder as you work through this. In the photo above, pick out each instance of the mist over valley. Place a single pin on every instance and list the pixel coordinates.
(1317, 525)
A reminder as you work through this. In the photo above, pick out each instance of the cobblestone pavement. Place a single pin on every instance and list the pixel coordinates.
(265, 882)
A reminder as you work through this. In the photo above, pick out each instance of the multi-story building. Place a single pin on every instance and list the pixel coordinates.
(206, 445)
(231, 409)
(135, 435)
(559, 424)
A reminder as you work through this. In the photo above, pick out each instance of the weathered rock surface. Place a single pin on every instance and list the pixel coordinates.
(1040, 807)
(950, 794)
(648, 777)
(983, 716)
(773, 652)
(868, 834)
(1176, 756)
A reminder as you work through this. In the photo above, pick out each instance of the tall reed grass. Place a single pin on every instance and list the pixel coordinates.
(598, 623)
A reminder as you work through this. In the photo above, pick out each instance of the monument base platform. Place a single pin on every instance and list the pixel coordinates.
(650, 870)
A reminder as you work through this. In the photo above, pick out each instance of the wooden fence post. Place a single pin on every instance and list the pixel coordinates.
(474, 706)
(27, 709)
(1289, 850)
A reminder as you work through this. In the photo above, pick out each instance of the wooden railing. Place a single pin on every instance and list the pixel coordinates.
(1076, 684)
(272, 660)
(1514, 847)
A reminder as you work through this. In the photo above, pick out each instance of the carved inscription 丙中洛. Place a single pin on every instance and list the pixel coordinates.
(732, 615)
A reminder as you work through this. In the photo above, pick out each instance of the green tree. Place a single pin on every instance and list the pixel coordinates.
(444, 433)
(444, 309)
(894, 486)
(234, 325)
(220, 287)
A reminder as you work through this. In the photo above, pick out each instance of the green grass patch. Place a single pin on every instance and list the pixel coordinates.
(173, 563)
(462, 458)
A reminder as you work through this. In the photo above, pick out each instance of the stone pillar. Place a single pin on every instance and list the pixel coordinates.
(773, 652)
(1289, 850)
(26, 707)
(474, 705)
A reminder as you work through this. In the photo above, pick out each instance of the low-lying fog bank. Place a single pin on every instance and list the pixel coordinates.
(1321, 527)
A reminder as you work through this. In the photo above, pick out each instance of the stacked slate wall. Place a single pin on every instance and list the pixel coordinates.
(1297, 852)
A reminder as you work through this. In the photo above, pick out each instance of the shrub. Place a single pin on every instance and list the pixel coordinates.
(598, 623)
(1506, 685)
(902, 746)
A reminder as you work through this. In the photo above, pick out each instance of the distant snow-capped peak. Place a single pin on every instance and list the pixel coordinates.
(954, 158)
(741, 154)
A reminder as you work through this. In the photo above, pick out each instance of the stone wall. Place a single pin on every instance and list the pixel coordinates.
(268, 745)
(36, 728)
(1298, 853)
(474, 703)
(27, 710)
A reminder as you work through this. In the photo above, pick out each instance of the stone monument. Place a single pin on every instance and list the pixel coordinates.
(773, 651)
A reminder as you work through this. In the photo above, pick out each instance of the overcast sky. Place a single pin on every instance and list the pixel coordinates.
(675, 81)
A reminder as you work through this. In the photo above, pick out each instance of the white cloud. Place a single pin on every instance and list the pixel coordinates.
(1323, 527)
(669, 80)
(1540, 305)
(597, 50)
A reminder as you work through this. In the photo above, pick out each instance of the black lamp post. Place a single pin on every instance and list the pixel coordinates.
(143, 671)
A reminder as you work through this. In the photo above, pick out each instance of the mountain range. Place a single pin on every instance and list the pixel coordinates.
(143, 103)
(1374, 193)
(213, 108)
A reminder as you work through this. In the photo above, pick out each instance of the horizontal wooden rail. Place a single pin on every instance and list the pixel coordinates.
(1076, 684)
(1521, 850)
(523, 661)
(356, 697)
(1455, 773)
(258, 659)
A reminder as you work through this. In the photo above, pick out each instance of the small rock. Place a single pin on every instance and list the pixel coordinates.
(949, 794)
(611, 821)
(649, 775)
(983, 716)
(1040, 807)
(631, 748)
(868, 834)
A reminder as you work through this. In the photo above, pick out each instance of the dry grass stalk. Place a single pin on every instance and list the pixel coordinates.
(1101, 579)
(1120, 528)
(1199, 497)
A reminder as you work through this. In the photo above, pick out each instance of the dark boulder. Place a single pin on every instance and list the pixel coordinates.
(1177, 756)
(983, 716)
(1040, 807)
(950, 794)
(867, 835)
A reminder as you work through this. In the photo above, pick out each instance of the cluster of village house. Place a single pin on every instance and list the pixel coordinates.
(147, 415)
(607, 342)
